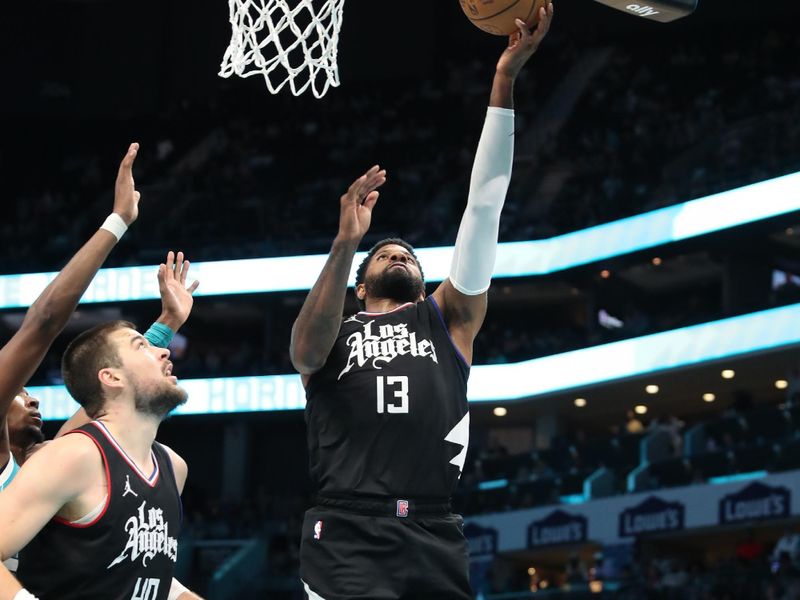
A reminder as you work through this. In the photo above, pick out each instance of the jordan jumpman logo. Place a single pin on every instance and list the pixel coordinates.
(128, 488)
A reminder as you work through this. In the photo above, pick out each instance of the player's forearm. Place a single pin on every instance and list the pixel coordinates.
(51, 311)
(9, 586)
(178, 591)
(502, 95)
(476, 244)
(48, 315)
(317, 325)
(170, 320)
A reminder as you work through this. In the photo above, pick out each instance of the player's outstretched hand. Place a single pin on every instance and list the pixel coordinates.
(523, 44)
(176, 298)
(357, 204)
(126, 198)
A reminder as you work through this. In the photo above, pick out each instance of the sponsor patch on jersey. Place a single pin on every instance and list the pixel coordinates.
(402, 508)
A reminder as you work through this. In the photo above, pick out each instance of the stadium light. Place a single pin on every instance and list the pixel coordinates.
(514, 259)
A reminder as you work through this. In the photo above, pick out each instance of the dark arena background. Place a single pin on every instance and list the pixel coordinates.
(635, 398)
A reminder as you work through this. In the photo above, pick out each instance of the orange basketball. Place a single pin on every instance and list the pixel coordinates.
(497, 16)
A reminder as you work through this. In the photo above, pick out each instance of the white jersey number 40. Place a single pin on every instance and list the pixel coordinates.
(398, 385)
(146, 589)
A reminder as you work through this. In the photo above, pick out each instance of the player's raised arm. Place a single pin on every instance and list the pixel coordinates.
(522, 45)
(176, 306)
(317, 325)
(48, 315)
(462, 297)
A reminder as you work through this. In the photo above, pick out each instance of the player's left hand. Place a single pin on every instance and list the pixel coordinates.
(126, 198)
(176, 298)
(523, 44)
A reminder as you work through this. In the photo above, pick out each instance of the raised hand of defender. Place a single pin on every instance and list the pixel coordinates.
(523, 44)
(357, 204)
(126, 198)
(176, 298)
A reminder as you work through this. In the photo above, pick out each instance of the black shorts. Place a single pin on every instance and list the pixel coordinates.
(348, 555)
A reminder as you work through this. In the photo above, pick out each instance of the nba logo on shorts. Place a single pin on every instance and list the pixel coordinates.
(402, 508)
(317, 530)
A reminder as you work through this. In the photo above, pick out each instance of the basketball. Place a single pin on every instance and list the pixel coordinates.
(497, 16)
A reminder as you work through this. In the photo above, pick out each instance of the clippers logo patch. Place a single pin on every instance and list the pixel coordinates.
(317, 530)
(402, 508)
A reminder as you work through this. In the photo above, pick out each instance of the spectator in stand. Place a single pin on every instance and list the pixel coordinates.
(673, 426)
(749, 550)
(793, 389)
(576, 571)
(494, 449)
(633, 424)
(789, 544)
(675, 576)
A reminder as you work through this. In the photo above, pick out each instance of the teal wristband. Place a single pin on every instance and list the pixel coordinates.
(159, 335)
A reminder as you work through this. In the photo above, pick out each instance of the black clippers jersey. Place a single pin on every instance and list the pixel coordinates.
(387, 415)
(127, 552)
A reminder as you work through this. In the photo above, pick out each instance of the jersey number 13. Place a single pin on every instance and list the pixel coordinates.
(398, 402)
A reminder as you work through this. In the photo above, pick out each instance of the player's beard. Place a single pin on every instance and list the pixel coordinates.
(159, 402)
(396, 284)
(30, 435)
(36, 434)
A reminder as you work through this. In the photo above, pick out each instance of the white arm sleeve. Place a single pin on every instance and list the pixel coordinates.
(476, 244)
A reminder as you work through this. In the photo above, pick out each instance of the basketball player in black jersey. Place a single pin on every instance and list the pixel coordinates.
(97, 510)
(387, 414)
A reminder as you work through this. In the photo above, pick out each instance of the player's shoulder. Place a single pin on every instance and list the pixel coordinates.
(70, 455)
(74, 443)
(176, 458)
(179, 465)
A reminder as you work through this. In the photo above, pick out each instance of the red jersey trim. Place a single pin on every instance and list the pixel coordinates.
(153, 479)
(108, 495)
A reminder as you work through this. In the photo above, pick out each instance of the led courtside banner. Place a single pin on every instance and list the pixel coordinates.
(514, 259)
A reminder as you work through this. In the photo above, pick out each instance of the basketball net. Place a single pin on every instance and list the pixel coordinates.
(295, 45)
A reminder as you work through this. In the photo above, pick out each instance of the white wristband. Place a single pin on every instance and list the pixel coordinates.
(115, 226)
(176, 589)
(24, 594)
